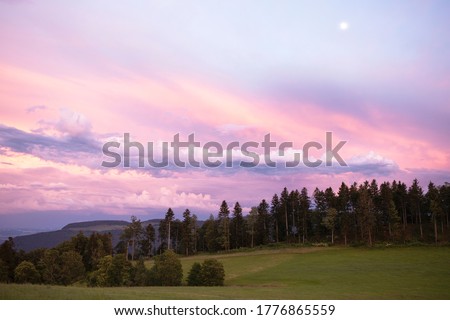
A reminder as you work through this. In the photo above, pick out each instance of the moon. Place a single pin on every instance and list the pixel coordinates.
(343, 25)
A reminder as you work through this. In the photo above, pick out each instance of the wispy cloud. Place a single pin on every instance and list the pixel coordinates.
(36, 108)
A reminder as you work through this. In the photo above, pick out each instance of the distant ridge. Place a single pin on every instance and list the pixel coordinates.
(51, 239)
(88, 225)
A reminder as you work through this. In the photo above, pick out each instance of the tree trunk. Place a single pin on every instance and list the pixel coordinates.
(420, 224)
(345, 239)
(446, 214)
(405, 222)
(276, 229)
(332, 236)
(168, 238)
(435, 231)
(252, 235)
(304, 229)
(362, 232)
(287, 224)
(390, 231)
(370, 237)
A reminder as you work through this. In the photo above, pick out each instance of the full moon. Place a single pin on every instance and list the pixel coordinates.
(343, 25)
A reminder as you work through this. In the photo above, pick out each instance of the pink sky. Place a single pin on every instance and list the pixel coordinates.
(74, 77)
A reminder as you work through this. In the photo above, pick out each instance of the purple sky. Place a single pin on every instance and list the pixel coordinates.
(74, 76)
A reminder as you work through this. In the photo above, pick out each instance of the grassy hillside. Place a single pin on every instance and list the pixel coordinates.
(297, 273)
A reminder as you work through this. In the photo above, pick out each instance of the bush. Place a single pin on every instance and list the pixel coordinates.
(195, 275)
(152, 278)
(26, 272)
(98, 278)
(72, 268)
(212, 273)
(167, 270)
(3, 272)
(119, 272)
(140, 273)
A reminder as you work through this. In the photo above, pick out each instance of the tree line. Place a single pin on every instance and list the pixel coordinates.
(356, 214)
(91, 261)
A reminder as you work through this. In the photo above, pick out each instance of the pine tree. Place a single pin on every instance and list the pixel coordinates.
(262, 221)
(366, 211)
(251, 223)
(237, 227)
(329, 221)
(148, 238)
(187, 232)
(284, 202)
(132, 235)
(275, 215)
(436, 209)
(168, 223)
(389, 210)
(224, 226)
(304, 207)
(415, 197)
(211, 234)
(343, 207)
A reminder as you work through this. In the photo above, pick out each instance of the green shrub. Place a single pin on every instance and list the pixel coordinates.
(167, 270)
(195, 275)
(26, 272)
(212, 273)
(140, 273)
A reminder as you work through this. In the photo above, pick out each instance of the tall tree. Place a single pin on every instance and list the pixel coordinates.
(262, 221)
(366, 211)
(162, 236)
(9, 257)
(168, 222)
(237, 229)
(320, 211)
(224, 226)
(389, 210)
(444, 191)
(416, 198)
(354, 197)
(132, 234)
(275, 207)
(195, 232)
(294, 200)
(98, 246)
(401, 200)
(187, 228)
(148, 238)
(343, 207)
(436, 209)
(211, 234)
(304, 207)
(251, 225)
(284, 202)
(330, 220)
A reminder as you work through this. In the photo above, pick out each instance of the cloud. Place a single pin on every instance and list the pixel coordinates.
(69, 124)
(372, 164)
(65, 149)
(167, 197)
(36, 108)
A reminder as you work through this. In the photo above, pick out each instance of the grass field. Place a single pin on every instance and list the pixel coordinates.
(292, 273)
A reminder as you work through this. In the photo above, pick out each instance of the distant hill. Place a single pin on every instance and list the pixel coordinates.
(51, 239)
(96, 225)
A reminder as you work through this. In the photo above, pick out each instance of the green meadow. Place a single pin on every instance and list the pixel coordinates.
(291, 273)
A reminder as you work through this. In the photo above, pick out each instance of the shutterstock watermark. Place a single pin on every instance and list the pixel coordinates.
(213, 154)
